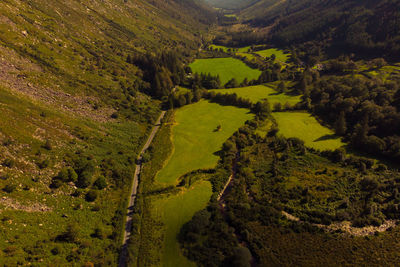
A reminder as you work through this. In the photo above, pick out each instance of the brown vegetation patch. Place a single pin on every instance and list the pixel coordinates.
(13, 75)
(346, 227)
(10, 203)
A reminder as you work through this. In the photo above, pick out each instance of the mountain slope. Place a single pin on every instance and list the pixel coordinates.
(357, 26)
(229, 4)
(74, 114)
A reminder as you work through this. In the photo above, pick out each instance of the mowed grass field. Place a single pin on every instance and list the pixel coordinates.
(280, 55)
(195, 138)
(305, 127)
(226, 68)
(174, 212)
(261, 92)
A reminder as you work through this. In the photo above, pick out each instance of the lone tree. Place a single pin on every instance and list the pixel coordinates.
(219, 128)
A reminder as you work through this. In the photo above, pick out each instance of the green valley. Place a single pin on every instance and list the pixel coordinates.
(199, 133)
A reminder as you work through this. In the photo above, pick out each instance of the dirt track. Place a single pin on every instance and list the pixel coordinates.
(132, 195)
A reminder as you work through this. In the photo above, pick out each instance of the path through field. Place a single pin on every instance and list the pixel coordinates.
(132, 195)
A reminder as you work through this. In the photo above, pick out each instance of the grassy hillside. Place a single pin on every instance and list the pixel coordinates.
(74, 117)
(36, 144)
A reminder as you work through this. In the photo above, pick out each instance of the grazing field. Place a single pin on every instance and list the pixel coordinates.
(280, 55)
(305, 127)
(226, 68)
(174, 212)
(195, 138)
(261, 92)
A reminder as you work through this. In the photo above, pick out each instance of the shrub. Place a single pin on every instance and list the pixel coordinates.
(98, 233)
(369, 184)
(10, 250)
(9, 188)
(4, 176)
(62, 175)
(84, 180)
(146, 157)
(277, 106)
(43, 164)
(55, 251)
(67, 175)
(48, 145)
(100, 183)
(91, 196)
(70, 235)
(9, 163)
(7, 142)
(56, 184)
(72, 175)
(77, 193)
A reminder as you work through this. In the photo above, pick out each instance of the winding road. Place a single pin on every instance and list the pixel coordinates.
(133, 191)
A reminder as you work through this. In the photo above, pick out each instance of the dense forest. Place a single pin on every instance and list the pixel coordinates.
(365, 112)
(367, 28)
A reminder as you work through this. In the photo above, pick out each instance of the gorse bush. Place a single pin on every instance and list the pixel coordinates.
(91, 196)
(100, 183)
(9, 188)
(10, 163)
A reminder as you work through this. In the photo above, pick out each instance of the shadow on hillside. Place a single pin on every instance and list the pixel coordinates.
(327, 137)
(218, 153)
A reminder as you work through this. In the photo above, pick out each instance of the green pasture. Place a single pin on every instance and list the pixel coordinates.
(195, 138)
(174, 212)
(280, 54)
(260, 92)
(305, 127)
(226, 68)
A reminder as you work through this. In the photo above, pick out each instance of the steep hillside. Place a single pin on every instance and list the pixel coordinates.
(231, 5)
(356, 26)
(74, 114)
(260, 8)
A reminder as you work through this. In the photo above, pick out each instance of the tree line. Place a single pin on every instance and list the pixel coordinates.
(365, 112)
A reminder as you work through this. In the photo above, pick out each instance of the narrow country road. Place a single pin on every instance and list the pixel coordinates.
(133, 191)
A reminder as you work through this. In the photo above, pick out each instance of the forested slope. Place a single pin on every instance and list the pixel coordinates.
(362, 26)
